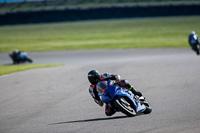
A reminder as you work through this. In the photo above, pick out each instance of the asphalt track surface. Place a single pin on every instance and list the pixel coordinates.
(56, 100)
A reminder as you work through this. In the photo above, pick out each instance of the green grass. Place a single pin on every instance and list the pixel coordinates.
(6, 69)
(160, 32)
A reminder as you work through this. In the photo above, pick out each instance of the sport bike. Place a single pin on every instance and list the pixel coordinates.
(121, 99)
(20, 57)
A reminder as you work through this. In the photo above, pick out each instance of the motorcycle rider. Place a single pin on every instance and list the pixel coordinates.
(18, 57)
(94, 77)
(194, 42)
(15, 55)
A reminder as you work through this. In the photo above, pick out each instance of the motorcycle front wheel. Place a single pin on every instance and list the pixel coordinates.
(124, 107)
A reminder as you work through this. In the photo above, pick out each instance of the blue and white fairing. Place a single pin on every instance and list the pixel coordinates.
(111, 91)
(22, 56)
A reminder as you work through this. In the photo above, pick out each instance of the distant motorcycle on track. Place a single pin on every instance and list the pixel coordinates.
(122, 100)
(194, 42)
(20, 57)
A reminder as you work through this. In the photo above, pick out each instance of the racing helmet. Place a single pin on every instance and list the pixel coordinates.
(16, 51)
(93, 77)
(193, 32)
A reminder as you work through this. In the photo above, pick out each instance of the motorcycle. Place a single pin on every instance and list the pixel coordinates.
(122, 100)
(20, 57)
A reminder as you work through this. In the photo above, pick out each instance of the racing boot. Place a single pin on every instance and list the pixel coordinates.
(135, 92)
(131, 88)
(138, 95)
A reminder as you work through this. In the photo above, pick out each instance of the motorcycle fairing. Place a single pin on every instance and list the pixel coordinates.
(112, 91)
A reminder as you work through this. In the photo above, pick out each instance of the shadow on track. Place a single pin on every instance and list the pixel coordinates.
(90, 120)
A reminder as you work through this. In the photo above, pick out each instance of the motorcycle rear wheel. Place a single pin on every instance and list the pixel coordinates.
(148, 108)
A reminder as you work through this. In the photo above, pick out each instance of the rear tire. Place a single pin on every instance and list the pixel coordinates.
(148, 108)
(30, 60)
(146, 104)
(126, 109)
(197, 52)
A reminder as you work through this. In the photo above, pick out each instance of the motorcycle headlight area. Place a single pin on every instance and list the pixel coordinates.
(102, 86)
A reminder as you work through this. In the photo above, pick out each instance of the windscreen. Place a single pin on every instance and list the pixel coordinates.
(102, 85)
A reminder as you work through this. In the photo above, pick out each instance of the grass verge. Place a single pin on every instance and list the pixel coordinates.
(157, 32)
(7, 69)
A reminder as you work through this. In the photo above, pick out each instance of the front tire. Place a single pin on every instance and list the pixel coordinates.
(126, 109)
